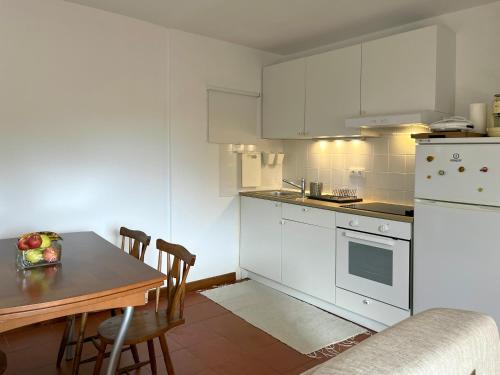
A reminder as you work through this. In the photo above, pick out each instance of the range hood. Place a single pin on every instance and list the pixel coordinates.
(395, 120)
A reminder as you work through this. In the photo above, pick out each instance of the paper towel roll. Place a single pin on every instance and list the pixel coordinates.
(477, 115)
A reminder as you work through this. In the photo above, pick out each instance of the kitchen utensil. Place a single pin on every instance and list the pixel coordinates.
(344, 192)
(315, 189)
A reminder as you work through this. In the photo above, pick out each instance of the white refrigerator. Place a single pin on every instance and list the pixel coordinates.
(457, 225)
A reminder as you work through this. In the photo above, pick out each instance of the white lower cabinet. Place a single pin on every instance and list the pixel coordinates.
(260, 237)
(295, 247)
(308, 259)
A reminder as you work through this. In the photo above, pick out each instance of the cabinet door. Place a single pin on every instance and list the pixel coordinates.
(260, 237)
(333, 91)
(309, 259)
(399, 73)
(283, 100)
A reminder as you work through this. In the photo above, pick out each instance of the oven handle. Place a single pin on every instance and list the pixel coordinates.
(365, 237)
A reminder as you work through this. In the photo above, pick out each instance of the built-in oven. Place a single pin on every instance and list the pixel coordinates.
(374, 265)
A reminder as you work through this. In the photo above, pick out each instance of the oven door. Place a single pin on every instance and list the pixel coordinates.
(374, 266)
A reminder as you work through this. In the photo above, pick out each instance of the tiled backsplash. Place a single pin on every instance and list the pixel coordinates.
(388, 162)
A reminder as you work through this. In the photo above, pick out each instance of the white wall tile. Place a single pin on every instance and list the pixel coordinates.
(338, 179)
(325, 176)
(380, 146)
(312, 175)
(401, 144)
(380, 163)
(338, 161)
(389, 164)
(410, 182)
(410, 163)
(340, 147)
(397, 164)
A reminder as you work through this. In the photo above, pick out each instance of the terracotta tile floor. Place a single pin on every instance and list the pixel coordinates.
(213, 341)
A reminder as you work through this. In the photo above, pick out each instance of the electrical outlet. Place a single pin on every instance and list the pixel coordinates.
(357, 172)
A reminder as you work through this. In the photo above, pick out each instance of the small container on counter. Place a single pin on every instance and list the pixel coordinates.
(316, 189)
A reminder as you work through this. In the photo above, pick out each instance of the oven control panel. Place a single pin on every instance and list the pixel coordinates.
(467, 173)
(377, 226)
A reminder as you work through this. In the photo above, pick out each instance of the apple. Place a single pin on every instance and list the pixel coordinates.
(50, 254)
(34, 241)
(22, 244)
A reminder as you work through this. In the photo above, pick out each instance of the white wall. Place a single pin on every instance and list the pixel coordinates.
(85, 124)
(83, 136)
(202, 220)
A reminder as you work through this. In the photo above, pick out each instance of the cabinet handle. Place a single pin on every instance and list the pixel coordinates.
(366, 301)
(282, 222)
(304, 209)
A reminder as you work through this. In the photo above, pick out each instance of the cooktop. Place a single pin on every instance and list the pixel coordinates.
(386, 208)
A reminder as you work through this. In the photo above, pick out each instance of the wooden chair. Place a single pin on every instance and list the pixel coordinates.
(138, 243)
(148, 325)
(3, 362)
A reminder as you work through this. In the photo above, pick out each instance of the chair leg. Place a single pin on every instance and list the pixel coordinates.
(135, 353)
(100, 358)
(64, 341)
(79, 344)
(166, 355)
(70, 348)
(152, 357)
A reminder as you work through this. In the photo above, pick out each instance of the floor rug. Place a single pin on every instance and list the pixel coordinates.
(300, 325)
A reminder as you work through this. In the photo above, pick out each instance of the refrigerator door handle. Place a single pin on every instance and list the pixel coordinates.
(465, 206)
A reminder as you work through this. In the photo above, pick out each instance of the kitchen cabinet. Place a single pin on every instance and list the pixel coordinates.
(411, 71)
(283, 96)
(311, 97)
(260, 237)
(403, 73)
(333, 92)
(308, 263)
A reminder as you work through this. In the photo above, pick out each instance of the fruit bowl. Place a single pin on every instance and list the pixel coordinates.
(38, 249)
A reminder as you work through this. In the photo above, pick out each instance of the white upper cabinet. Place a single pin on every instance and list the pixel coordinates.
(284, 100)
(313, 96)
(412, 71)
(332, 91)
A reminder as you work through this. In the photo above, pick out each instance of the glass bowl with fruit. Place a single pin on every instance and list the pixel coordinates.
(38, 249)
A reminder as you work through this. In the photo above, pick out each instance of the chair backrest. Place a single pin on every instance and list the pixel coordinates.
(179, 261)
(138, 242)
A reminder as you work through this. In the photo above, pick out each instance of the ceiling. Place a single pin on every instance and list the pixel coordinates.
(281, 26)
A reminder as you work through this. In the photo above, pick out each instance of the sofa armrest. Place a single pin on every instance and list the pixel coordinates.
(437, 341)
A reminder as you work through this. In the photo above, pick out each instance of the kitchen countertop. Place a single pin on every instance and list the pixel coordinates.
(264, 194)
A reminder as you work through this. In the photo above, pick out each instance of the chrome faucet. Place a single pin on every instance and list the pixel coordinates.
(302, 185)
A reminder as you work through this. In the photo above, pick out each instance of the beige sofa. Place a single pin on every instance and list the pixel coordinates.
(438, 341)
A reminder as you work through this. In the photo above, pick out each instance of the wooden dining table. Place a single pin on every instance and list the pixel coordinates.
(93, 275)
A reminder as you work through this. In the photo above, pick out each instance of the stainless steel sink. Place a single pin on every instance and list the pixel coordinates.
(282, 193)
